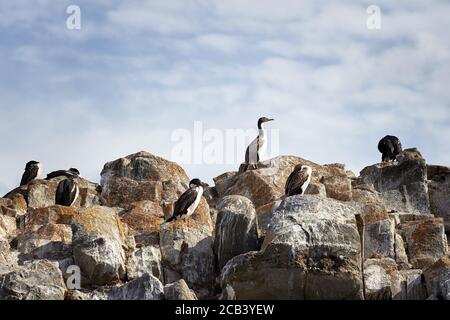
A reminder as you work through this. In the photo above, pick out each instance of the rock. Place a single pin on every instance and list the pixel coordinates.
(179, 290)
(41, 193)
(7, 227)
(315, 188)
(379, 232)
(35, 280)
(98, 245)
(145, 260)
(51, 241)
(439, 192)
(263, 216)
(413, 286)
(400, 253)
(144, 217)
(402, 187)
(382, 279)
(425, 241)
(311, 251)
(235, 229)
(36, 218)
(187, 251)
(146, 287)
(142, 176)
(437, 278)
(14, 207)
(267, 184)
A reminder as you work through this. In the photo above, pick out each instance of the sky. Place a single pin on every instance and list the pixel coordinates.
(138, 72)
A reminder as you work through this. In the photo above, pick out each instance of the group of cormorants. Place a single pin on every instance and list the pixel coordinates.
(298, 181)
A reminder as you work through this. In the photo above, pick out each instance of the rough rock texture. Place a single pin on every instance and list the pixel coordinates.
(311, 251)
(187, 251)
(145, 260)
(36, 280)
(425, 241)
(178, 290)
(437, 278)
(235, 229)
(98, 245)
(142, 176)
(267, 183)
(439, 191)
(402, 187)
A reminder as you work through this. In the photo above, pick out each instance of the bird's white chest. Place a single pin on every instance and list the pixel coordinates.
(261, 141)
(194, 206)
(40, 170)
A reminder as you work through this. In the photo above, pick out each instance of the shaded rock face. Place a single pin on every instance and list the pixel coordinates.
(311, 251)
(439, 191)
(36, 280)
(98, 245)
(437, 279)
(41, 193)
(235, 229)
(267, 183)
(187, 251)
(402, 187)
(142, 176)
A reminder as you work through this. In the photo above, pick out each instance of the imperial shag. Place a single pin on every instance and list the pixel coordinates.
(252, 154)
(298, 180)
(187, 203)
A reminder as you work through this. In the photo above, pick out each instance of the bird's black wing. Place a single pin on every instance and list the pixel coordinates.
(184, 202)
(29, 174)
(295, 183)
(60, 173)
(64, 195)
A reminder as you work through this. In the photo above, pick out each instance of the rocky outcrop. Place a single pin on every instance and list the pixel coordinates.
(402, 187)
(142, 176)
(311, 251)
(379, 236)
(235, 229)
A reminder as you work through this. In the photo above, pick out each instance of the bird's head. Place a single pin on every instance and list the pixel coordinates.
(195, 183)
(31, 163)
(263, 120)
(74, 171)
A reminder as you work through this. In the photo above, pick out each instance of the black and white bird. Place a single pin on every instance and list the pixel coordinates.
(187, 203)
(67, 192)
(71, 173)
(298, 180)
(390, 147)
(257, 146)
(33, 170)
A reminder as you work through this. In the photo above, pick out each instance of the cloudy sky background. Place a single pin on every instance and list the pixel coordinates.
(138, 70)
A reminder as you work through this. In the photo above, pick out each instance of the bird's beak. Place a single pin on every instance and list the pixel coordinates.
(270, 120)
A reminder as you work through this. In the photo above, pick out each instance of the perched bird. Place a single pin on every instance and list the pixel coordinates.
(67, 192)
(298, 180)
(188, 201)
(71, 173)
(390, 147)
(33, 170)
(252, 154)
